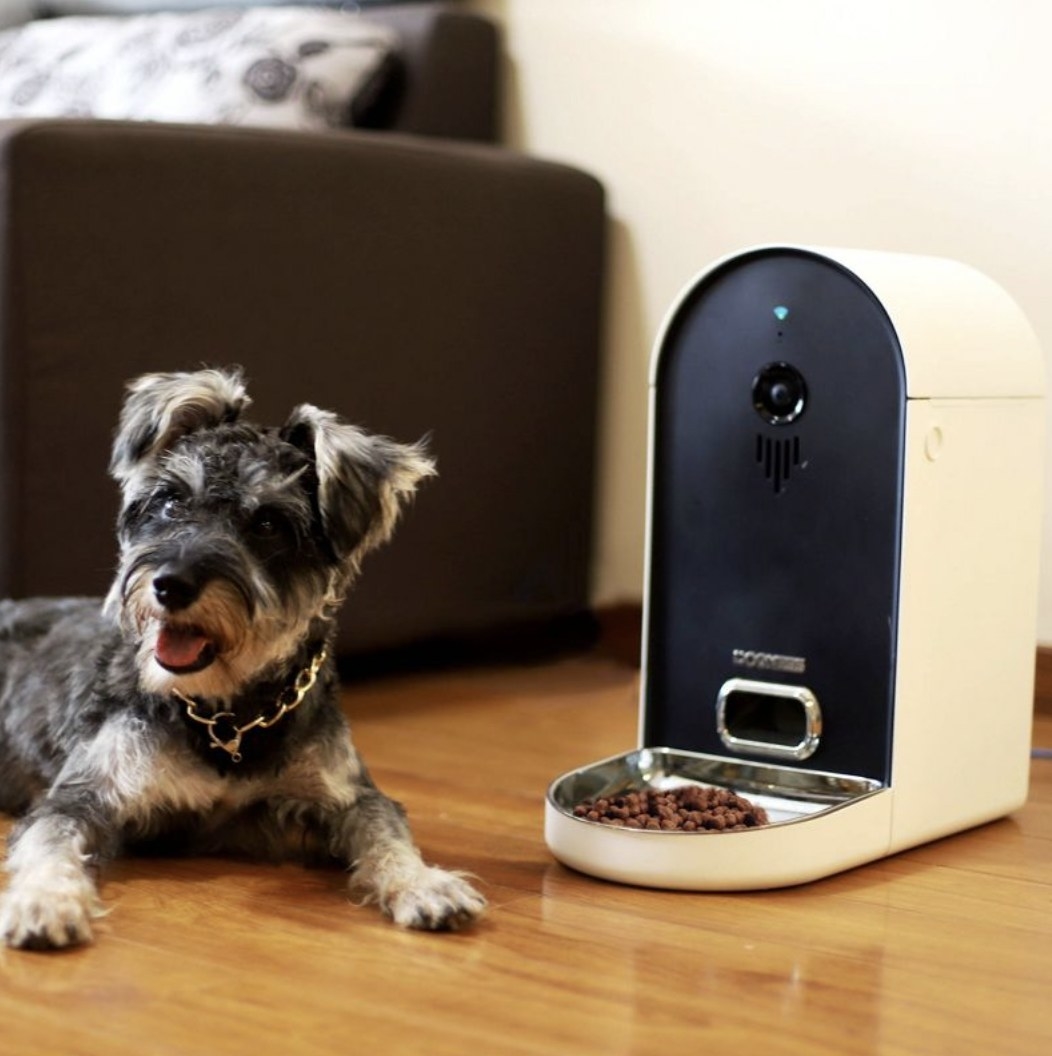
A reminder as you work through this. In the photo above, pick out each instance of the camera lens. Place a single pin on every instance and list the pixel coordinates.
(779, 393)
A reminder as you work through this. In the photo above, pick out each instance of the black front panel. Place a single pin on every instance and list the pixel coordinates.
(777, 480)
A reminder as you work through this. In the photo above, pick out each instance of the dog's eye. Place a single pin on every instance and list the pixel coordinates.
(267, 524)
(171, 507)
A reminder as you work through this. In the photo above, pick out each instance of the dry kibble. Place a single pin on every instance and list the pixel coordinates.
(692, 808)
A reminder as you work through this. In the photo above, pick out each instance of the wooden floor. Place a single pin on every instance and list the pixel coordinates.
(944, 949)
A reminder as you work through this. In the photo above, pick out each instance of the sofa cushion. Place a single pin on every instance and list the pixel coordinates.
(289, 67)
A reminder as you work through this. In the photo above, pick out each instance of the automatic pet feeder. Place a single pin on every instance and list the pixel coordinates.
(842, 547)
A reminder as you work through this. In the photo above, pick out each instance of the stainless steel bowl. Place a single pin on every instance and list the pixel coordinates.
(818, 823)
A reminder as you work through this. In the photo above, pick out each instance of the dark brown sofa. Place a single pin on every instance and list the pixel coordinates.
(413, 280)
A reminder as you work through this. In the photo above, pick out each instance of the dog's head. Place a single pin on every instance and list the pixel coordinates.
(237, 542)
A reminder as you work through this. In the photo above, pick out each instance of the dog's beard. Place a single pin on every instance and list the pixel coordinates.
(214, 647)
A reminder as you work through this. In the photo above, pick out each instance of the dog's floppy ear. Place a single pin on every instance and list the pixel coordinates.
(363, 479)
(160, 408)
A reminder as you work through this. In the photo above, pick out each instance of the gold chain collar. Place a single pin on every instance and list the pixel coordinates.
(229, 737)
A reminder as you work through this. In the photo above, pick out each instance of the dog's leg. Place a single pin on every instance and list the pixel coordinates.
(333, 795)
(373, 838)
(51, 897)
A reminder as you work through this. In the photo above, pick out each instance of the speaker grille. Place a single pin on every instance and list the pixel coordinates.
(778, 458)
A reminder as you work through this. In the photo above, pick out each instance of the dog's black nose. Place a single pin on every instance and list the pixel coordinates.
(175, 590)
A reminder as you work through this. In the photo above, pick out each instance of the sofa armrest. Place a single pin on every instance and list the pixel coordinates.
(419, 287)
(448, 81)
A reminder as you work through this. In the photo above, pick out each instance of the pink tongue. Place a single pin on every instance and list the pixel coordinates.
(180, 647)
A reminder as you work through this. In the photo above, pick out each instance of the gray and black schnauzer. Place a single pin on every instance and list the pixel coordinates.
(195, 709)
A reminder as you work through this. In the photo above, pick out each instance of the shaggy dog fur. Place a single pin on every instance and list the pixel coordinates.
(196, 708)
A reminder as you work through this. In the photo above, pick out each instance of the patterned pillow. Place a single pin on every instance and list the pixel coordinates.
(287, 67)
(137, 7)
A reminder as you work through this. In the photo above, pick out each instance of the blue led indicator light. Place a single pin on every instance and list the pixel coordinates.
(781, 313)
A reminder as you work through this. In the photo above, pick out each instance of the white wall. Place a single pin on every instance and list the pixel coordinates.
(914, 125)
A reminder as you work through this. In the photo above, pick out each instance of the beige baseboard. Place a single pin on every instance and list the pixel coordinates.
(1043, 680)
(621, 631)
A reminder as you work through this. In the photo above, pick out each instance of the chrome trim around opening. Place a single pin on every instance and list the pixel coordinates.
(803, 749)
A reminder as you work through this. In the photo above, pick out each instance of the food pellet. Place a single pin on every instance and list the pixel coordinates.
(691, 808)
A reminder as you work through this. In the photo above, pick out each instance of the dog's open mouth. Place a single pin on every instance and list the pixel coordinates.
(183, 649)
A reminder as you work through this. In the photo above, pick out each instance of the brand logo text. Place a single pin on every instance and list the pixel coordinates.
(758, 661)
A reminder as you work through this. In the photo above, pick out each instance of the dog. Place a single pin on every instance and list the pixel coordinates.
(195, 708)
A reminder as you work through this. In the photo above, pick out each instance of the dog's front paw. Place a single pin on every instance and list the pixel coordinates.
(433, 900)
(47, 920)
